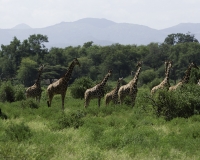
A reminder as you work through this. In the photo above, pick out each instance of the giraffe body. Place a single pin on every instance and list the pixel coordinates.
(186, 78)
(113, 95)
(96, 91)
(165, 83)
(60, 86)
(130, 89)
(35, 91)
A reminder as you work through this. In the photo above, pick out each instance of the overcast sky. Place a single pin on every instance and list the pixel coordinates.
(157, 14)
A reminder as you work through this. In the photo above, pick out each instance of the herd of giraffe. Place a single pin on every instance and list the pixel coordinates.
(116, 95)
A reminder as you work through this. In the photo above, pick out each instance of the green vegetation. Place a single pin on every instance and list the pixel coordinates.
(165, 126)
(112, 132)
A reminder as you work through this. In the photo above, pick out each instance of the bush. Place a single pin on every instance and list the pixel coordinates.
(79, 87)
(18, 132)
(19, 93)
(147, 76)
(73, 119)
(7, 92)
(29, 103)
(183, 102)
(3, 115)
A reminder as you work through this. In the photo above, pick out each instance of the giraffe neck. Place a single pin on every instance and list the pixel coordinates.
(118, 85)
(103, 82)
(167, 73)
(135, 79)
(38, 80)
(69, 72)
(187, 75)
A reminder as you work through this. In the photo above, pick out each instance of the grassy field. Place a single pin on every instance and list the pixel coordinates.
(34, 131)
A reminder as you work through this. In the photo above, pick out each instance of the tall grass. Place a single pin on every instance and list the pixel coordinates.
(108, 132)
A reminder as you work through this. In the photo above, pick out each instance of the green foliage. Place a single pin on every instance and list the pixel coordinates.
(147, 76)
(19, 92)
(173, 39)
(73, 119)
(18, 132)
(7, 92)
(3, 115)
(79, 87)
(30, 103)
(27, 70)
(183, 102)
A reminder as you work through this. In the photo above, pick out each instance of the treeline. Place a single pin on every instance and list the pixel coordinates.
(20, 60)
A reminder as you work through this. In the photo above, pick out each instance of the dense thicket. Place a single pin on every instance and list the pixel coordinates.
(20, 60)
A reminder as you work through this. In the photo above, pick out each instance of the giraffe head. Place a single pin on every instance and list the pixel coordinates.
(193, 65)
(41, 68)
(120, 80)
(109, 72)
(76, 62)
(139, 64)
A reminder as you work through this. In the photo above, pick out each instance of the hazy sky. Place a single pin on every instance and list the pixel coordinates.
(156, 14)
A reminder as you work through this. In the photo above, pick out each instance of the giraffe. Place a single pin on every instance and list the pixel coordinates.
(198, 83)
(165, 83)
(97, 91)
(130, 89)
(35, 90)
(113, 95)
(186, 78)
(60, 86)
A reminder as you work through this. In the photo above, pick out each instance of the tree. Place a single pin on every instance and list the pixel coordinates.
(174, 39)
(37, 47)
(87, 44)
(12, 55)
(27, 72)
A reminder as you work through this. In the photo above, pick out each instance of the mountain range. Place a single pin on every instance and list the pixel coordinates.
(100, 31)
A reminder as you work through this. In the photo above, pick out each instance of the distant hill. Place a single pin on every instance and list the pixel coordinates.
(22, 26)
(100, 31)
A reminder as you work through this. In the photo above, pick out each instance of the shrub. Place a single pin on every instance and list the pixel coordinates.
(147, 76)
(29, 103)
(19, 93)
(3, 115)
(18, 132)
(73, 119)
(79, 87)
(183, 102)
(7, 92)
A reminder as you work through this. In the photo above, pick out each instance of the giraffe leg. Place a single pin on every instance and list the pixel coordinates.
(121, 99)
(63, 100)
(39, 97)
(99, 100)
(50, 99)
(87, 101)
